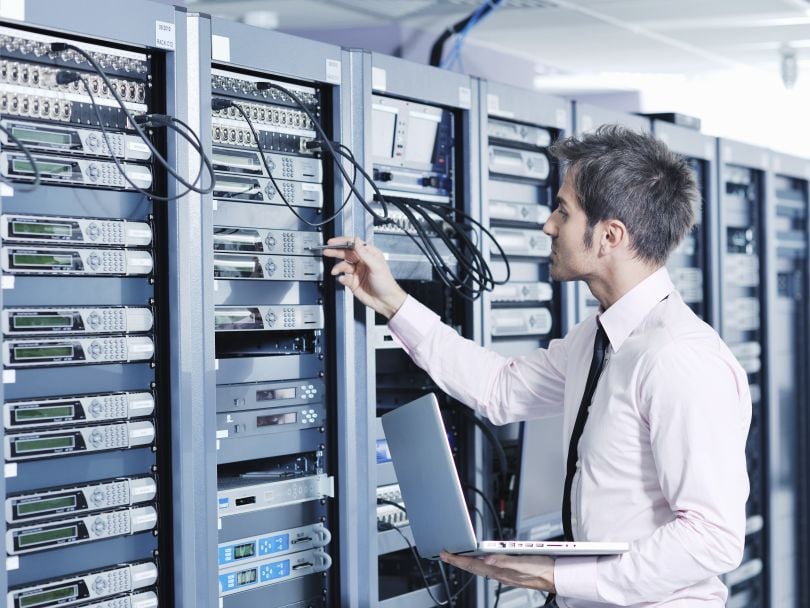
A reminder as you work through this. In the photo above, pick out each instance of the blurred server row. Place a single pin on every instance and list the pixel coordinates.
(191, 406)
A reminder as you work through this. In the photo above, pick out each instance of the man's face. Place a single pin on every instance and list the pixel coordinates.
(571, 259)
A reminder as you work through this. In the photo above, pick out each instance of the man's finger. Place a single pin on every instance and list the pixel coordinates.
(344, 267)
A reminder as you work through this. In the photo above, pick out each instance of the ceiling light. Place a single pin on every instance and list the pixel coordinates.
(265, 19)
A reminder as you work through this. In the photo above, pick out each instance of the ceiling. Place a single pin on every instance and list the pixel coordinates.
(574, 36)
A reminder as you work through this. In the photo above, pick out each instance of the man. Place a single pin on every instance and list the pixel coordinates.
(655, 428)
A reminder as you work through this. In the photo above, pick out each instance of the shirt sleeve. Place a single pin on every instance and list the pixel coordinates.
(503, 389)
(698, 409)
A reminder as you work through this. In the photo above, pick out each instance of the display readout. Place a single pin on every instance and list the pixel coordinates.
(41, 321)
(37, 136)
(244, 550)
(277, 419)
(22, 353)
(63, 442)
(43, 413)
(242, 318)
(19, 228)
(21, 165)
(246, 577)
(237, 268)
(48, 597)
(275, 394)
(43, 505)
(38, 537)
(237, 239)
(41, 260)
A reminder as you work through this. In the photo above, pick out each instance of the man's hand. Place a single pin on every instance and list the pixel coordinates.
(530, 571)
(364, 270)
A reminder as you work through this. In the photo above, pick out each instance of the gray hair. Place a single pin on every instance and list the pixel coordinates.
(634, 178)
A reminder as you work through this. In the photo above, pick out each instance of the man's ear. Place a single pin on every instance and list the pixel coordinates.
(614, 235)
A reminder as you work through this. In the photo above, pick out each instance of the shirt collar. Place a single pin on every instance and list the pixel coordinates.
(627, 313)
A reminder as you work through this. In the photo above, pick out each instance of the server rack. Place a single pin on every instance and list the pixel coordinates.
(588, 118)
(274, 319)
(742, 184)
(88, 483)
(443, 170)
(786, 226)
(693, 266)
(518, 185)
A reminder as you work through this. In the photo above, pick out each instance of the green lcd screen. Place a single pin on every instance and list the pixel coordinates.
(246, 577)
(46, 443)
(52, 596)
(42, 260)
(26, 539)
(46, 504)
(42, 352)
(41, 228)
(42, 137)
(41, 321)
(244, 550)
(22, 165)
(46, 412)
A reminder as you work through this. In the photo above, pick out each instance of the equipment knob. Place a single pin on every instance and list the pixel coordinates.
(95, 350)
(99, 525)
(93, 142)
(96, 409)
(94, 320)
(270, 240)
(93, 231)
(270, 267)
(96, 438)
(93, 171)
(100, 585)
(270, 317)
(99, 497)
(270, 191)
(94, 260)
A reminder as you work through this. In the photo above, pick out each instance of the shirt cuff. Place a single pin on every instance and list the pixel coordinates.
(412, 322)
(575, 577)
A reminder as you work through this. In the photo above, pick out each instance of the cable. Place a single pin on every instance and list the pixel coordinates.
(490, 436)
(446, 583)
(30, 187)
(475, 276)
(110, 148)
(437, 49)
(220, 103)
(483, 11)
(267, 86)
(61, 75)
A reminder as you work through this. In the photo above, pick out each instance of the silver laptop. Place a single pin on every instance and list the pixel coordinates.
(432, 493)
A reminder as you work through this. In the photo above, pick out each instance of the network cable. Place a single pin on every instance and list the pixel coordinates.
(437, 49)
(28, 187)
(65, 76)
(221, 103)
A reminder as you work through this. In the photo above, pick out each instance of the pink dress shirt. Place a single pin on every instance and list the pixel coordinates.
(662, 457)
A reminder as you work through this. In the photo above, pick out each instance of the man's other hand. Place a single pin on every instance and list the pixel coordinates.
(363, 269)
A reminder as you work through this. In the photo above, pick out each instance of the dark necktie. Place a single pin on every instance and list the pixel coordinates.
(600, 345)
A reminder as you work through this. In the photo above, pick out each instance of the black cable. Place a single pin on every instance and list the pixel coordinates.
(437, 50)
(266, 86)
(382, 526)
(220, 103)
(114, 158)
(58, 47)
(30, 187)
(446, 583)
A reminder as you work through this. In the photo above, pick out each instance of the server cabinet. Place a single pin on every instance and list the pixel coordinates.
(742, 183)
(518, 184)
(693, 266)
(588, 118)
(418, 140)
(270, 112)
(87, 380)
(787, 333)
